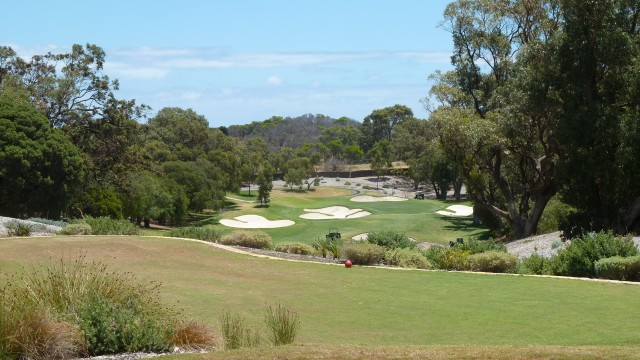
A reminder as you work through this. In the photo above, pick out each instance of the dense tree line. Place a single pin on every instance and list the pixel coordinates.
(542, 105)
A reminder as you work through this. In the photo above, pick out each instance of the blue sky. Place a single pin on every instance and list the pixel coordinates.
(238, 61)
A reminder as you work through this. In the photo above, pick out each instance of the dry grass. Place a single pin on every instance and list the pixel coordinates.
(193, 335)
(323, 352)
(318, 191)
(38, 336)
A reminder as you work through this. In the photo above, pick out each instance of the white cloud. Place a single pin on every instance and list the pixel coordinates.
(274, 80)
(191, 96)
(129, 71)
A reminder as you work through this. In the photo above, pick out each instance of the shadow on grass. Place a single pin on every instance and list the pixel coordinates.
(299, 191)
(201, 219)
(466, 224)
(230, 205)
(246, 194)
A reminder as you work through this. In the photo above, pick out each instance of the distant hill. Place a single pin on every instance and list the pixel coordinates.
(279, 132)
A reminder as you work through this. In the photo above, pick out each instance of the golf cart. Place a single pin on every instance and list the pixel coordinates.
(333, 234)
(419, 195)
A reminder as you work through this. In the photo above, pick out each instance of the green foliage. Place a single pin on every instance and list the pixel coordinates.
(76, 229)
(149, 196)
(474, 246)
(533, 265)
(108, 226)
(110, 327)
(295, 248)
(40, 169)
(493, 261)
(555, 214)
(391, 240)
(236, 333)
(207, 233)
(282, 325)
(252, 239)
(265, 183)
(599, 136)
(407, 258)
(100, 201)
(362, 253)
(578, 258)
(72, 308)
(184, 131)
(619, 268)
(19, 228)
(449, 259)
(496, 225)
(328, 246)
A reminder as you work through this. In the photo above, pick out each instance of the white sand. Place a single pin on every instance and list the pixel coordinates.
(255, 222)
(360, 237)
(457, 210)
(334, 212)
(368, 198)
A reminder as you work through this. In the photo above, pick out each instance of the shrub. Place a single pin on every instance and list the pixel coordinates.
(58, 223)
(328, 246)
(108, 226)
(236, 333)
(407, 258)
(391, 240)
(579, 257)
(555, 214)
(37, 335)
(363, 253)
(493, 261)
(251, 239)
(205, 233)
(19, 228)
(102, 311)
(475, 246)
(533, 265)
(192, 335)
(282, 325)
(76, 229)
(451, 259)
(618, 268)
(295, 248)
(117, 327)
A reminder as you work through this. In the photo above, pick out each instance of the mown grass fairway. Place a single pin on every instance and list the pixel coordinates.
(415, 218)
(362, 306)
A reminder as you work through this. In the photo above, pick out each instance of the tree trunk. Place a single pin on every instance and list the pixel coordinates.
(146, 223)
(457, 190)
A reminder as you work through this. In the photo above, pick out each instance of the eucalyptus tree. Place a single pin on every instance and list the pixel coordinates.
(379, 124)
(497, 112)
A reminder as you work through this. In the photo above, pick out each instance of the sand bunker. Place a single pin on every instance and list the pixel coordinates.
(360, 237)
(368, 198)
(334, 212)
(457, 210)
(255, 222)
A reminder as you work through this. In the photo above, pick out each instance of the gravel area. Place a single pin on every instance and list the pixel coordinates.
(545, 245)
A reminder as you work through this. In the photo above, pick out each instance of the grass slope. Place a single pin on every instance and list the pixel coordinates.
(362, 306)
(415, 218)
